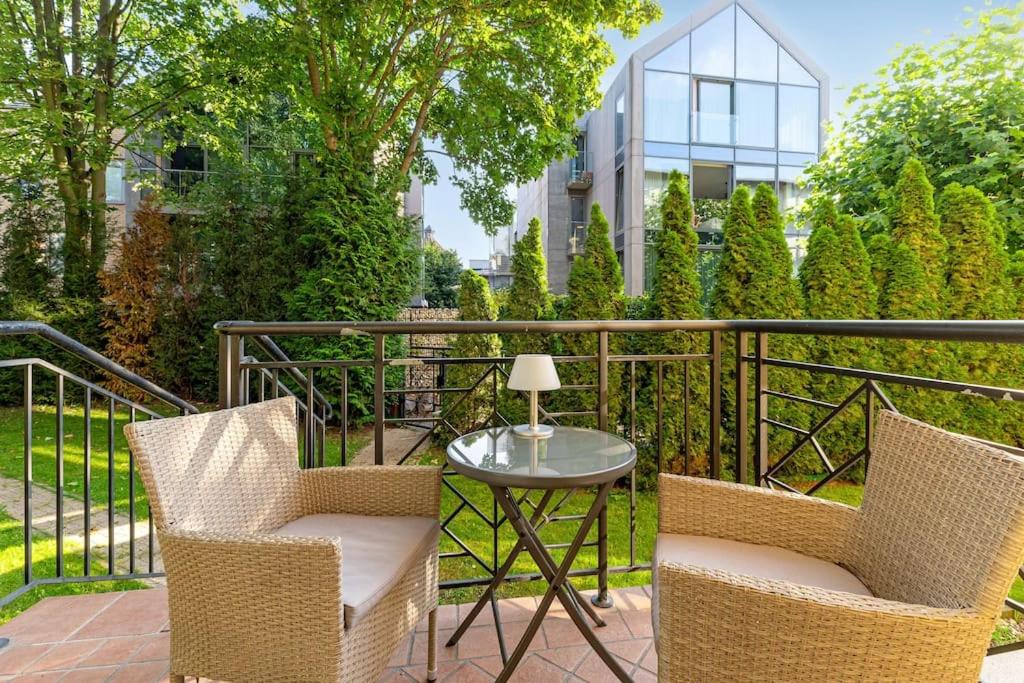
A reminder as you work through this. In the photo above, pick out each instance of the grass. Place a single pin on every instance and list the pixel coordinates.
(44, 565)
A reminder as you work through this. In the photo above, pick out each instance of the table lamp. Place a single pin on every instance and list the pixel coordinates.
(533, 372)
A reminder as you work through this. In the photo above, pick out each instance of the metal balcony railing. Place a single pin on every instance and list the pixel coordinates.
(714, 129)
(577, 238)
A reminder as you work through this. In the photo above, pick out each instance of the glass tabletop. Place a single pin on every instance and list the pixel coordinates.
(570, 457)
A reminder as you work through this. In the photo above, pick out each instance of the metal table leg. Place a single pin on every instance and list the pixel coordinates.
(557, 577)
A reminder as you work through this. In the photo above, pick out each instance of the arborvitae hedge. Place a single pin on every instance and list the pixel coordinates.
(879, 248)
(675, 296)
(744, 257)
(978, 288)
(528, 297)
(783, 297)
(916, 224)
(594, 292)
(475, 303)
(838, 285)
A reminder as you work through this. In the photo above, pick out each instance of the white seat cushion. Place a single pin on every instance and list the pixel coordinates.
(375, 552)
(749, 559)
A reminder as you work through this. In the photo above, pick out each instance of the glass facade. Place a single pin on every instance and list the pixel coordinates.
(727, 105)
(620, 204)
(620, 121)
(115, 181)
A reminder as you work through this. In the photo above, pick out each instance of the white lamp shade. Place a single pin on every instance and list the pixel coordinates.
(533, 372)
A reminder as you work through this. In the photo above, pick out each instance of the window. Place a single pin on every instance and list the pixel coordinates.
(791, 72)
(752, 176)
(756, 51)
(714, 116)
(755, 115)
(791, 196)
(578, 163)
(577, 209)
(666, 107)
(675, 57)
(115, 181)
(620, 121)
(713, 43)
(656, 172)
(620, 209)
(798, 119)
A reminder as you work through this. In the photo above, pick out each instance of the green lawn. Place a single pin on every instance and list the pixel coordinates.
(44, 564)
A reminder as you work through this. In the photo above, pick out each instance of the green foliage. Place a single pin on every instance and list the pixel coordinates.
(441, 273)
(977, 287)
(675, 296)
(916, 224)
(951, 104)
(838, 285)
(475, 303)
(500, 87)
(783, 299)
(879, 249)
(744, 259)
(528, 297)
(28, 227)
(594, 292)
(87, 77)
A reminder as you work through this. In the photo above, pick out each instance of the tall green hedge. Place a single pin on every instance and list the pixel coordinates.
(475, 302)
(676, 295)
(528, 297)
(916, 224)
(594, 292)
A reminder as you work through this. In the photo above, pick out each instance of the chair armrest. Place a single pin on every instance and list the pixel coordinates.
(229, 591)
(737, 512)
(720, 626)
(383, 490)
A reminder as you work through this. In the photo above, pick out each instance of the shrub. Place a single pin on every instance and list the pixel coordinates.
(528, 296)
(916, 224)
(475, 303)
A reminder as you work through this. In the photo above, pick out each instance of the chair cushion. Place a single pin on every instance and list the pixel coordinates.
(375, 552)
(749, 559)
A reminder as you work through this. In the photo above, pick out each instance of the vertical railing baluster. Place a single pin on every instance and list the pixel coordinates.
(660, 413)
(686, 417)
(60, 475)
(263, 385)
(322, 435)
(111, 569)
(378, 399)
(87, 484)
(602, 381)
(275, 387)
(309, 439)
(715, 387)
(344, 416)
(869, 425)
(602, 599)
(131, 500)
(742, 437)
(27, 472)
(761, 405)
(231, 348)
(632, 473)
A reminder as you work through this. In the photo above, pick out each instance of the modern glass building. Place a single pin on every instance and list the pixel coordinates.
(725, 98)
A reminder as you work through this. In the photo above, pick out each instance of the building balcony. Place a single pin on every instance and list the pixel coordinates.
(78, 537)
(714, 129)
(580, 178)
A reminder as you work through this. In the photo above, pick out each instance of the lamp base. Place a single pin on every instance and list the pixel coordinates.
(538, 432)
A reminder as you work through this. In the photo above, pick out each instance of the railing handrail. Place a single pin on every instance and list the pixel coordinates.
(15, 328)
(1007, 331)
(270, 347)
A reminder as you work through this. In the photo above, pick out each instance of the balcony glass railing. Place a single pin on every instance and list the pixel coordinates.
(712, 128)
(580, 175)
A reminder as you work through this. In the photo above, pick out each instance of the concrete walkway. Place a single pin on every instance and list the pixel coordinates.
(397, 442)
(44, 520)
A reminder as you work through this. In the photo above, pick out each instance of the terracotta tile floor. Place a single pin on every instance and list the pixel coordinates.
(124, 637)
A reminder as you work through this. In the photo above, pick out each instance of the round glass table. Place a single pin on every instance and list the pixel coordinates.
(570, 459)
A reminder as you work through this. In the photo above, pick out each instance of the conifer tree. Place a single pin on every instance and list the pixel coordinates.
(594, 292)
(916, 224)
(978, 288)
(879, 247)
(743, 258)
(676, 296)
(528, 297)
(783, 300)
(130, 290)
(475, 303)
(838, 285)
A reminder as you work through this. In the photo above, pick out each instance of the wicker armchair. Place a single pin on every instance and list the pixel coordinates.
(753, 584)
(281, 574)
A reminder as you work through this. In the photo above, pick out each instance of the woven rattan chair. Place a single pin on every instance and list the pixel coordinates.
(753, 584)
(281, 574)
